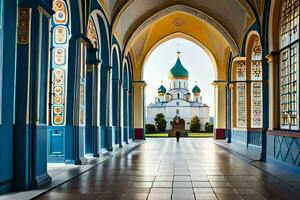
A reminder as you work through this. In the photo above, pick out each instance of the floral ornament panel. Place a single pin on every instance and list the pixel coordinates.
(241, 71)
(256, 107)
(256, 70)
(60, 35)
(241, 105)
(60, 8)
(59, 56)
(92, 34)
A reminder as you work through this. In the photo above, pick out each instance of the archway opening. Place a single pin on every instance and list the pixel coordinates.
(174, 92)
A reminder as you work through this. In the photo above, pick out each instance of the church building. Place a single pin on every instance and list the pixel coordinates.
(177, 100)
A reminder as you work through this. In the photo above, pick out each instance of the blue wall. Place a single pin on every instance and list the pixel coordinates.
(7, 53)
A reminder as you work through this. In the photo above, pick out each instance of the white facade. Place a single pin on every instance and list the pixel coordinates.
(178, 100)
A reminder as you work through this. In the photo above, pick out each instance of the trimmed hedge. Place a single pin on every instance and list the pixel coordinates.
(150, 128)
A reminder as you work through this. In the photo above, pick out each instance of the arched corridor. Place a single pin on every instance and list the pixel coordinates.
(72, 90)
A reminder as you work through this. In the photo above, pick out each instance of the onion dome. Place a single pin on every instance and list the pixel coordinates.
(162, 90)
(178, 70)
(196, 89)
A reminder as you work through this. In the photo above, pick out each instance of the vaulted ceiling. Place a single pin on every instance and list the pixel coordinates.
(219, 25)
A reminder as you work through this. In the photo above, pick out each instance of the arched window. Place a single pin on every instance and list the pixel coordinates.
(256, 84)
(289, 64)
(178, 95)
(60, 29)
(179, 84)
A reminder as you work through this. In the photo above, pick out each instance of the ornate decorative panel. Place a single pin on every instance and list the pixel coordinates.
(60, 34)
(241, 105)
(256, 105)
(241, 71)
(61, 12)
(92, 34)
(23, 25)
(59, 43)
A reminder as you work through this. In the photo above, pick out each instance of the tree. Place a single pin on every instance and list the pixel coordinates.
(209, 127)
(195, 124)
(160, 122)
(150, 128)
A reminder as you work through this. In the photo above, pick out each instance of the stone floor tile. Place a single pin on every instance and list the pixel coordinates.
(225, 191)
(201, 184)
(203, 191)
(162, 184)
(164, 178)
(161, 190)
(159, 196)
(141, 185)
(186, 196)
(182, 184)
(206, 197)
(164, 169)
(182, 190)
(220, 184)
(229, 197)
(182, 178)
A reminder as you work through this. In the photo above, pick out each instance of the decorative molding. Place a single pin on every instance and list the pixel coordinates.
(219, 83)
(23, 25)
(272, 57)
(284, 133)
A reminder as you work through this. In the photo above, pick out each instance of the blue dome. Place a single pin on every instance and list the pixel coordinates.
(162, 90)
(196, 89)
(178, 71)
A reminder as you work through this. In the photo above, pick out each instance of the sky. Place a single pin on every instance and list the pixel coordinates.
(193, 58)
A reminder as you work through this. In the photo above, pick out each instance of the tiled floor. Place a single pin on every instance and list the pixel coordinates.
(164, 169)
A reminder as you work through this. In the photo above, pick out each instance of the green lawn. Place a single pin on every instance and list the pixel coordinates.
(201, 134)
(190, 135)
(157, 135)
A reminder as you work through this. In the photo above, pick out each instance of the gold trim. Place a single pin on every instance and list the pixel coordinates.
(272, 57)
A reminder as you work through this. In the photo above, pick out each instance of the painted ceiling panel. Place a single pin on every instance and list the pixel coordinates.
(230, 13)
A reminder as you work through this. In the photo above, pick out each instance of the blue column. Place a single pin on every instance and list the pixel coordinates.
(130, 104)
(116, 85)
(105, 139)
(92, 129)
(228, 114)
(74, 139)
(89, 110)
(30, 137)
(8, 55)
(125, 115)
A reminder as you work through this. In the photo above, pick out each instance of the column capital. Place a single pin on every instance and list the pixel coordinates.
(218, 83)
(272, 57)
(139, 83)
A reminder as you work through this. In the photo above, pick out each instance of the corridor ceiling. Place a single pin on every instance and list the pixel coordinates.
(217, 25)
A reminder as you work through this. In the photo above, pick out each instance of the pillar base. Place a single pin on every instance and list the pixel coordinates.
(41, 181)
(219, 134)
(139, 134)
